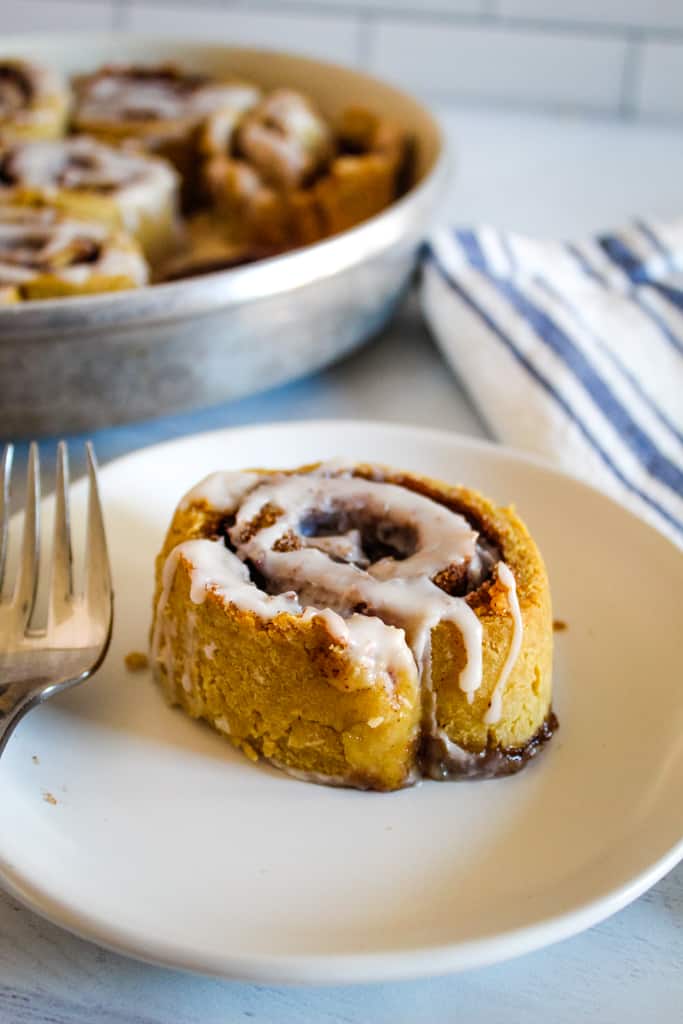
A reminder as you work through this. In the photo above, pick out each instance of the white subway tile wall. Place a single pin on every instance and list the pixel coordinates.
(330, 36)
(660, 14)
(620, 57)
(55, 15)
(502, 65)
(661, 79)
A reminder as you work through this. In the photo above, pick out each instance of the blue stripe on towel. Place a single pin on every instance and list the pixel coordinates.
(637, 272)
(549, 331)
(674, 295)
(507, 249)
(583, 263)
(473, 250)
(625, 258)
(621, 368)
(548, 387)
(658, 321)
(648, 233)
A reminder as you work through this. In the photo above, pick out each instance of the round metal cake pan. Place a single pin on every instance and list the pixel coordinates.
(87, 362)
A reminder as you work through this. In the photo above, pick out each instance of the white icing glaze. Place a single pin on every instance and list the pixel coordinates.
(285, 138)
(329, 780)
(400, 604)
(34, 242)
(379, 648)
(25, 106)
(400, 592)
(222, 491)
(121, 95)
(139, 185)
(495, 709)
(305, 776)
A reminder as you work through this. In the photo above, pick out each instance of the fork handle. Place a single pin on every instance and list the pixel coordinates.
(15, 700)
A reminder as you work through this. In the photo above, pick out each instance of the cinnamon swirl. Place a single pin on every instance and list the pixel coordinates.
(93, 181)
(282, 176)
(355, 625)
(163, 108)
(44, 254)
(34, 102)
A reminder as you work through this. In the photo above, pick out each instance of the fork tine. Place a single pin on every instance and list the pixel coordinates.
(98, 588)
(27, 578)
(5, 474)
(61, 580)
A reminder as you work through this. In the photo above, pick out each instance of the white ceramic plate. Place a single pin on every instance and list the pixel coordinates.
(168, 845)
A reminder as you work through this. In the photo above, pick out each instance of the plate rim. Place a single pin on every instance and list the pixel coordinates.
(313, 968)
(351, 968)
(489, 445)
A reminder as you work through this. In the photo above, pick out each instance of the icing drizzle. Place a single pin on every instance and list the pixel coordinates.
(41, 241)
(362, 556)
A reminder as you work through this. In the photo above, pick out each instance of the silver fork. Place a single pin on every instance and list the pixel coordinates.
(37, 663)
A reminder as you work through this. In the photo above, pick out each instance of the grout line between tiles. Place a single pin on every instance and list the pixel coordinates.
(367, 25)
(488, 16)
(120, 15)
(631, 75)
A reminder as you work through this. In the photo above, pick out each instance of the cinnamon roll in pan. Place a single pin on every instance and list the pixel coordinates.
(45, 254)
(91, 180)
(163, 107)
(9, 294)
(34, 101)
(356, 625)
(282, 176)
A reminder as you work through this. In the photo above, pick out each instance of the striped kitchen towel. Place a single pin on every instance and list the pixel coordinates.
(574, 351)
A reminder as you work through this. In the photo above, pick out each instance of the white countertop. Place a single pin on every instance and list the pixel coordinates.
(559, 176)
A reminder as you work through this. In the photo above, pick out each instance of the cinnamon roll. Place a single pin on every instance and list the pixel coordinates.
(355, 625)
(281, 176)
(163, 108)
(34, 102)
(93, 181)
(44, 254)
(373, 168)
(206, 249)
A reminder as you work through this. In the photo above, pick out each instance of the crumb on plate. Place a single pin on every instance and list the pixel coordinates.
(136, 661)
(49, 798)
(559, 626)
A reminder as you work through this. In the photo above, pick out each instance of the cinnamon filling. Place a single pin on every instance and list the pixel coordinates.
(16, 89)
(77, 163)
(39, 252)
(492, 763)
(35, 241)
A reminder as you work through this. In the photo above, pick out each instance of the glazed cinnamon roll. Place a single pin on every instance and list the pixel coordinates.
(259, 169)
(285, 139)
(372, 169)
(34, 102)
(44, 254)
(91, 180)
(284, 178)
(163, 107)
(356, 626)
